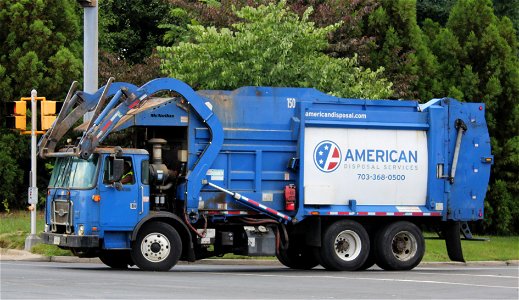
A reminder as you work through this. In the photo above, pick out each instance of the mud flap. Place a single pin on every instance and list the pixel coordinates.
(451, 231)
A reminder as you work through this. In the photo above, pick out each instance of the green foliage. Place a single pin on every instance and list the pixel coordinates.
(213, 13)
(400, 47)
(271, 46)
(12, 148)
(349, 39)
(510, 9)
(131, 30)
(177, 30)
(478, 62)
(39, 47)
(122, 70)
(437, 10)
(500, 199)
(128, 35)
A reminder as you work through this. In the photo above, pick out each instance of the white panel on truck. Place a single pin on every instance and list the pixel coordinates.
(371, 166)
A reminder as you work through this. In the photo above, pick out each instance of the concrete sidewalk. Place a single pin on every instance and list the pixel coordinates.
(21, 255)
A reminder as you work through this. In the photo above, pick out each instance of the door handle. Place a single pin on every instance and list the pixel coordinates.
(142, 200)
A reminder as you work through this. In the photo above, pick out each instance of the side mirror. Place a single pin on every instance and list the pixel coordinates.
(118, 186)
(118, 169)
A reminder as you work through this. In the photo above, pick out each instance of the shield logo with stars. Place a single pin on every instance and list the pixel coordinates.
(327, 156)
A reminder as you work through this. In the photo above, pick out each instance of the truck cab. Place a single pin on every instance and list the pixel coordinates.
(90, 201)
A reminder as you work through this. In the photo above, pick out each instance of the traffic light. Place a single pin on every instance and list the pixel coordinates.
(17, 120)
(49, 110)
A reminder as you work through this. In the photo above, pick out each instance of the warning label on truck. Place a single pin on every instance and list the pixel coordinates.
(216, 174)
(371, 166)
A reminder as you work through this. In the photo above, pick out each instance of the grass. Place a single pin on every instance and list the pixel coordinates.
(16, 226)
(499, 248)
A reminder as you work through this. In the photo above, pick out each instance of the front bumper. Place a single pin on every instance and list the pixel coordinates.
(71, 241)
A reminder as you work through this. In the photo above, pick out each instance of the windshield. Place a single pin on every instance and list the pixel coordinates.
(73, 172)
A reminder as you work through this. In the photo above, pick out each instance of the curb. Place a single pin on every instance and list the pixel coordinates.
(483, 263)
(21, 255)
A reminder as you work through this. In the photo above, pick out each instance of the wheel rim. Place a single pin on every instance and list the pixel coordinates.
(155, 247)
(404, 245)
(347, 245)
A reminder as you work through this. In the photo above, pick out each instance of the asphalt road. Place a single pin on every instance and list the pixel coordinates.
(50, 280)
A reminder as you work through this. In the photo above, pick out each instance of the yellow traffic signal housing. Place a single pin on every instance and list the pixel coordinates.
(18, 119)
(19, 108)
(16, 122)
(49, 110)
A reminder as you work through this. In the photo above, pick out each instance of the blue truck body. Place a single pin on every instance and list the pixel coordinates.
(292, 172)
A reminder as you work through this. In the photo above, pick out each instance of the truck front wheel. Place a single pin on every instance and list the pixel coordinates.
(399, 246)
(345, 246)
(157, 248)
(116, 259)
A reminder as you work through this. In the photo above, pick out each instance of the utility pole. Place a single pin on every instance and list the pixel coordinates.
(33, 239)
(90, 48)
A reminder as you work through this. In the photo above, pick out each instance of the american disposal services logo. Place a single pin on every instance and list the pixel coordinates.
(327, 156)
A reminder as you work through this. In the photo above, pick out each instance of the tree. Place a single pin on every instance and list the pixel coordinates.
(400, 47)
(270, 46)
(131, 30)
(436, 10)
(12, 150)
(509, 9)
(481, 63)
(39, 48)
(215, 13)
(347, 40)
(122, 70)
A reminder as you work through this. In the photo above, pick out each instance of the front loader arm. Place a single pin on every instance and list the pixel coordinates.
(75, 106)
(117, 108)
(205, 160)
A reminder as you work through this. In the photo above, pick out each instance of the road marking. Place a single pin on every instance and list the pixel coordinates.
(467, 269)
(367, 278)
(463, 274)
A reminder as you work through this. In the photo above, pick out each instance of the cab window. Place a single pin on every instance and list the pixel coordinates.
(128, 173)
(145, 176)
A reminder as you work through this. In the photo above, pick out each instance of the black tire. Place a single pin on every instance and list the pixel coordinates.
(370, 261)
(116, 259)
(399, 246)
(345, 246)
(157, 248)
(298, 257)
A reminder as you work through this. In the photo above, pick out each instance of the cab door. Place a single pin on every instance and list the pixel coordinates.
(120, 207)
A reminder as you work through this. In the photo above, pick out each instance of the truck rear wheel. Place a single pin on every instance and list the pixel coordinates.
(297, 257)
(116, 259)
(157, 248)
(399, 246)
(345, 246)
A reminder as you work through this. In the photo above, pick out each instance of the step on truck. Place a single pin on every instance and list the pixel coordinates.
(162, 173)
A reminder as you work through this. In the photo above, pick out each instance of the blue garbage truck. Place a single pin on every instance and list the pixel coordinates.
(163, 173)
